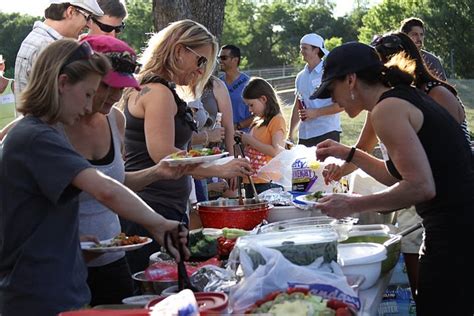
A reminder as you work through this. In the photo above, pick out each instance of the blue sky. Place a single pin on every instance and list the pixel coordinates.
(36, 7)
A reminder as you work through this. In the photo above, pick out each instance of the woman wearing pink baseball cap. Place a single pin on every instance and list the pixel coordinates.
(98, 137)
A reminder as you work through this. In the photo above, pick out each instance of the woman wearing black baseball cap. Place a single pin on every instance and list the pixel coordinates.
(416, 135)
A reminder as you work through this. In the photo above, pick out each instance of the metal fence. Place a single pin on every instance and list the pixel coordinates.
(281, 78)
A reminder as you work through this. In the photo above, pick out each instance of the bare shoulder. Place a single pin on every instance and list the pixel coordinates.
(119, 116)
(154, 93)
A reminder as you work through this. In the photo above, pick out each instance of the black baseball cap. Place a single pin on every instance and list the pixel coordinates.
(345, 59)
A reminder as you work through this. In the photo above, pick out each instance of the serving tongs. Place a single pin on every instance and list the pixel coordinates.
(238, 144)
(401, 234)
(183, 278)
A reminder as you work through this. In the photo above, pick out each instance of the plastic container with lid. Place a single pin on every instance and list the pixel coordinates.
(300, 247)
(208, 302)
(362, 258)
(341, 226)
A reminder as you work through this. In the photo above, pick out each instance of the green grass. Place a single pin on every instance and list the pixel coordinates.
(352, 127)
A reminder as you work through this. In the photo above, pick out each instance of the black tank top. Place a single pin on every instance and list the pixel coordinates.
(170, 195)
(448, 152)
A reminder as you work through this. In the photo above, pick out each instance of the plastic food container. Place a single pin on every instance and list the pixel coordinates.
(393, 250)
(300, 247)
(341, 226)
(281, 213)
(362, 259)
(208, 302)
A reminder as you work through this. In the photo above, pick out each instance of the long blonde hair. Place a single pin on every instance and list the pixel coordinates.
(41, 96)
(158, 58)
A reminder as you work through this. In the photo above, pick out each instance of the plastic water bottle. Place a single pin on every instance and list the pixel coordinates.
(218, 121)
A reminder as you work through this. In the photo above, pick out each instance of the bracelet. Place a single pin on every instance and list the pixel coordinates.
(351, 155)
(206, 142)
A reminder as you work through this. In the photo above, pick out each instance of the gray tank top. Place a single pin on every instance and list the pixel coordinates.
(94, 217)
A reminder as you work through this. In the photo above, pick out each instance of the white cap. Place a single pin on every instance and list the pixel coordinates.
(90, 5)
(314, 39)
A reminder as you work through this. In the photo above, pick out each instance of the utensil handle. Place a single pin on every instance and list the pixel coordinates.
(238, 141)
(401, 234)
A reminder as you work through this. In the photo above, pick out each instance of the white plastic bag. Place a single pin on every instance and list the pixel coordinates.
(279, 274)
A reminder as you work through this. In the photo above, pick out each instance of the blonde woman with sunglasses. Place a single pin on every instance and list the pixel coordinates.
(176, 64)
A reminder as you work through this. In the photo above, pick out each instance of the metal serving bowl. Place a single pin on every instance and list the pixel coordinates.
(151, 287)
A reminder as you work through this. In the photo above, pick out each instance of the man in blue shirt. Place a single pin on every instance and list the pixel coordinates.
(229, 60)
(319, 118)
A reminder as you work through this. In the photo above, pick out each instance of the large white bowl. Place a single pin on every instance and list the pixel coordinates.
(282, 213)
(362, 258)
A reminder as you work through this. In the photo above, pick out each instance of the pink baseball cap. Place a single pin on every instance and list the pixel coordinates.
(122, 57)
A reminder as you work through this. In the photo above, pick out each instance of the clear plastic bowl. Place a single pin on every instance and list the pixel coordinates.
(342, 226)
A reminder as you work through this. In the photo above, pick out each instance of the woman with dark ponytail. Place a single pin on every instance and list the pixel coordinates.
(444, 94)
(426, 162)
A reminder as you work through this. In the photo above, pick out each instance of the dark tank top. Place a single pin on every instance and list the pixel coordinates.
(169, 195)
(449, 156)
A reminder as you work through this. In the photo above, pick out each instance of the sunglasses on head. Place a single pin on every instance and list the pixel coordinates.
(108, 28)
(389, 41)
(202, 61)
(124, 62)
(84, 51)
(85, 14)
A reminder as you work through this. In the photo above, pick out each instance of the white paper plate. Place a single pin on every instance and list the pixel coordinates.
(91, 246)
(193, 160)
(304, 199)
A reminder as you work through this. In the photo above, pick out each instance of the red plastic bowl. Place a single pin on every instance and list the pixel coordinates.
(244, 219)
(207, 302)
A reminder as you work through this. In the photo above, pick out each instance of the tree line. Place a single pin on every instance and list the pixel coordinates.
(269, 34)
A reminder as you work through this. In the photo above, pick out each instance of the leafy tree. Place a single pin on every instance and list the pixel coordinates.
(386, 16)
(449, 32)
(15, 27)
(139, 23)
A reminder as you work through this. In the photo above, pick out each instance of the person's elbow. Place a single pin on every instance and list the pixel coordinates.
(106, 192)
(425, 191)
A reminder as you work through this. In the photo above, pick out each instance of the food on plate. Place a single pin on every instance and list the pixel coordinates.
(197, 153)
(314, 196)
(299, 301)
(202, 246)
(122, 240)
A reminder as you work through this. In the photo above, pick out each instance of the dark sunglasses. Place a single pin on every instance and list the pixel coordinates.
(124, 62)
(202, 61)
(109, 28)
(86, 15)
(84, 51)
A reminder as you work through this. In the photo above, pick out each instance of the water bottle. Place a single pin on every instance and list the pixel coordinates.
(217, 124)
(218, 121)
(301, 105)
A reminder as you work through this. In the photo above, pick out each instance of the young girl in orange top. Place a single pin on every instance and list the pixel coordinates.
(268, 132)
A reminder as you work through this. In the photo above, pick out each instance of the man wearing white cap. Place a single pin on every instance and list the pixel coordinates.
(62, 19)
(319, 118)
